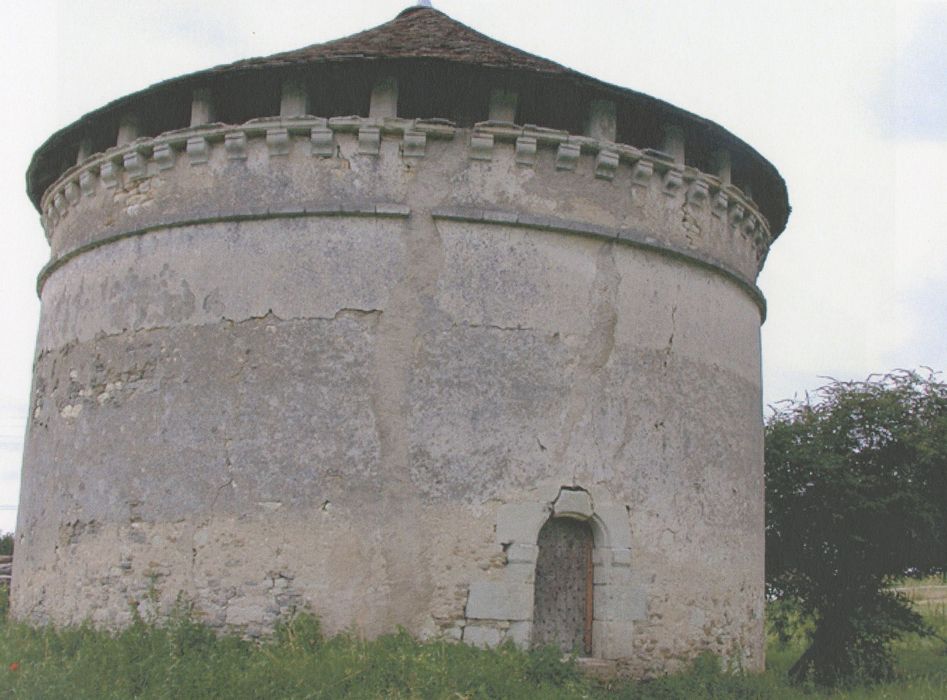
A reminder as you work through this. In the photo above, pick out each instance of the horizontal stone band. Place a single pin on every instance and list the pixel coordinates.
(384, 209)
(629, 236)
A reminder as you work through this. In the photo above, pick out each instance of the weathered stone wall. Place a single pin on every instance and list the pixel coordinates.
(351, 364)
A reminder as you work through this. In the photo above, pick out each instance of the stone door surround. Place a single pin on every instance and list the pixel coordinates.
(502, 609)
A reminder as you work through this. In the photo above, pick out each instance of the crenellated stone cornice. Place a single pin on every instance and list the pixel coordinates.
(704, 205)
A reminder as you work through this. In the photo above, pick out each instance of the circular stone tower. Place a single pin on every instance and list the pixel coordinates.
(408, 328)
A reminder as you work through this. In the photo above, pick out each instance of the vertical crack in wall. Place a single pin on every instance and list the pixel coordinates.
(399, 332)
(595, 353)
(670, 344)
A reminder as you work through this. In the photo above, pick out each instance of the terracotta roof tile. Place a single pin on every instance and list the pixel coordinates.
(418, 32)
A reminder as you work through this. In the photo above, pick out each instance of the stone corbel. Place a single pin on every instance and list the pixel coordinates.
(749, 226)
(414, 144)
(198, 150)
(278, 141)
(72, 192)
(59, 201)
(369, 140)
(320, 139)
(567, 156)
(641, 173)
(736, 213)
(606, 164)
(87, 183)
(673, 181)
(721, 204)
(163, 155)
(135, 165)
(108, 172)
(698, 194)
(526, 150)
(481, 146)
(235, 144)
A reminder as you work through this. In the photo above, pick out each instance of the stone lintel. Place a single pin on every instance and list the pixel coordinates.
(573, 504)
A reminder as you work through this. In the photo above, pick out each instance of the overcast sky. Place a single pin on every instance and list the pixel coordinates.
(847, 99)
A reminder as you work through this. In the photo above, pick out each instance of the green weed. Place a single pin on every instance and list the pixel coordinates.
(183, 659)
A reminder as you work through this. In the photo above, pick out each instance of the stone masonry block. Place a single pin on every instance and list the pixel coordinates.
(494, 600)
(612, 640)
(620, 602)
(519, 523)
(522, 553)
(573, 504)
(614, 519)
(520, 633)
(621, 557)
(520, 572)
(481, 636)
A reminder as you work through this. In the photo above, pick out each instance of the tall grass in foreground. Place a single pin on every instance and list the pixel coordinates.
(183, 660)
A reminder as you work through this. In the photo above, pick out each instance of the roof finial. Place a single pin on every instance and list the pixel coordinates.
(425, 3)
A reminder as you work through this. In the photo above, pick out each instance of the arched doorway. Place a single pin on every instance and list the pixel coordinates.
(562, 611)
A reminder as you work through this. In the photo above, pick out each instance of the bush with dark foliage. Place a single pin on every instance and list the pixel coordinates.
(856, 496)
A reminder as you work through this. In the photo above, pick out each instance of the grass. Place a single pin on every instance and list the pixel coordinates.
(182, 660)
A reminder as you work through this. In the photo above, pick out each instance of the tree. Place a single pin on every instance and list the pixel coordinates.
(856, 496)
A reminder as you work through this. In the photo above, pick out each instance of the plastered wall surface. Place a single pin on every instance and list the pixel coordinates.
(273, 376)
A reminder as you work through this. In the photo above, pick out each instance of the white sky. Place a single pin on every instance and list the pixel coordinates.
(847, 99)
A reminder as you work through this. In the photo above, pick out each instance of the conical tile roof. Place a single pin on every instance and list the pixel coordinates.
(417, 34)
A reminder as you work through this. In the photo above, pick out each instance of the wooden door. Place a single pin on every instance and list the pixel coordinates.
(562, 613)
